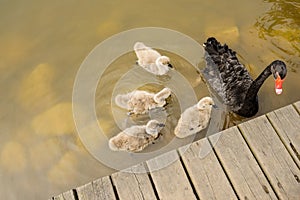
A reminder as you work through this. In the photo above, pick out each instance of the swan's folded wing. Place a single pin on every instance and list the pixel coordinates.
(225, 74)
(212, 76)
(189, 123)
(146, 55)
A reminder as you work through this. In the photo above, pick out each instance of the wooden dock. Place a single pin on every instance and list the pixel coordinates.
(258, 159)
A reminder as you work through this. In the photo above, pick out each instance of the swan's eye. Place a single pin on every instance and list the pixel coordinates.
(282, 74)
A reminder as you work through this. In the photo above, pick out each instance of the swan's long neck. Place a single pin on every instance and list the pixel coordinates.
(257, 83)
(250, 106)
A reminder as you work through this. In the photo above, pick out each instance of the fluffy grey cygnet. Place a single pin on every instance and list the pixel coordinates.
(136, 138)
(151, 60)
(140, 102)
(195, 118)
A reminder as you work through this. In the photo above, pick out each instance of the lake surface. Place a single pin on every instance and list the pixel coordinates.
(43, 45)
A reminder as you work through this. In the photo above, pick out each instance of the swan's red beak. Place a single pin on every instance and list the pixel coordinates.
(278, 84)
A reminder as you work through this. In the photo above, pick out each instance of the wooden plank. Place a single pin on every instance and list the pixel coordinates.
(209, 179)
(170, 181)
(240, 165)
(286, 122)
(297, 105)
(132, 185)
(58, 197)
(65, 196)
(103, 189)
(85, 192)
(100, 189)
(273, 157)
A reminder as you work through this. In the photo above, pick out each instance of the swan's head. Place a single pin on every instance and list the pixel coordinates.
(279, 71)
(153, 127)
(205, 103)
(163, 61)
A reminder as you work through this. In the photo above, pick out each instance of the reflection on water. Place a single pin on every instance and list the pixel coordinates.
(44, 43)
(281, 25)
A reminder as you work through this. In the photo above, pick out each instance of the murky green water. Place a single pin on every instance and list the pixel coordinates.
(44, 43)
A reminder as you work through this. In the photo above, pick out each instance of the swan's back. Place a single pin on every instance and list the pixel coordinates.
(132, 139)
(225, 74)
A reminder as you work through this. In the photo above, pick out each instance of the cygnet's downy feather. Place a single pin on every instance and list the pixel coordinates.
(195, 118)
(151, 60)
(140, 102)
(136, 138)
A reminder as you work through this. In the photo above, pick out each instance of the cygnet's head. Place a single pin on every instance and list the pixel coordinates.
(113, 144)
(163, 61)
(153, 127)
(205, 103)
(160, 97)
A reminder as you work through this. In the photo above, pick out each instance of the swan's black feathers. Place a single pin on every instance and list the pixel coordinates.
(225, 74)
(232, 82)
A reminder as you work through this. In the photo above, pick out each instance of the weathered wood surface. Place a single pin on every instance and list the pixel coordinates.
(297, 105)
(103, 189)
(100, 189)
(286, 122)
(132, 185)
(171, 182)
(273, 157)
(241, 167)
(209, 179)
(65, 196)
(258, 159)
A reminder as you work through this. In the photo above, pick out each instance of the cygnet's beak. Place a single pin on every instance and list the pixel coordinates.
(171, 66)
(215, 106)
(161, 125)
(130, 113)
(278, 84)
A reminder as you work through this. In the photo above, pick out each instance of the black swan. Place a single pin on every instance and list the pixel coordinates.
(231, 80)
